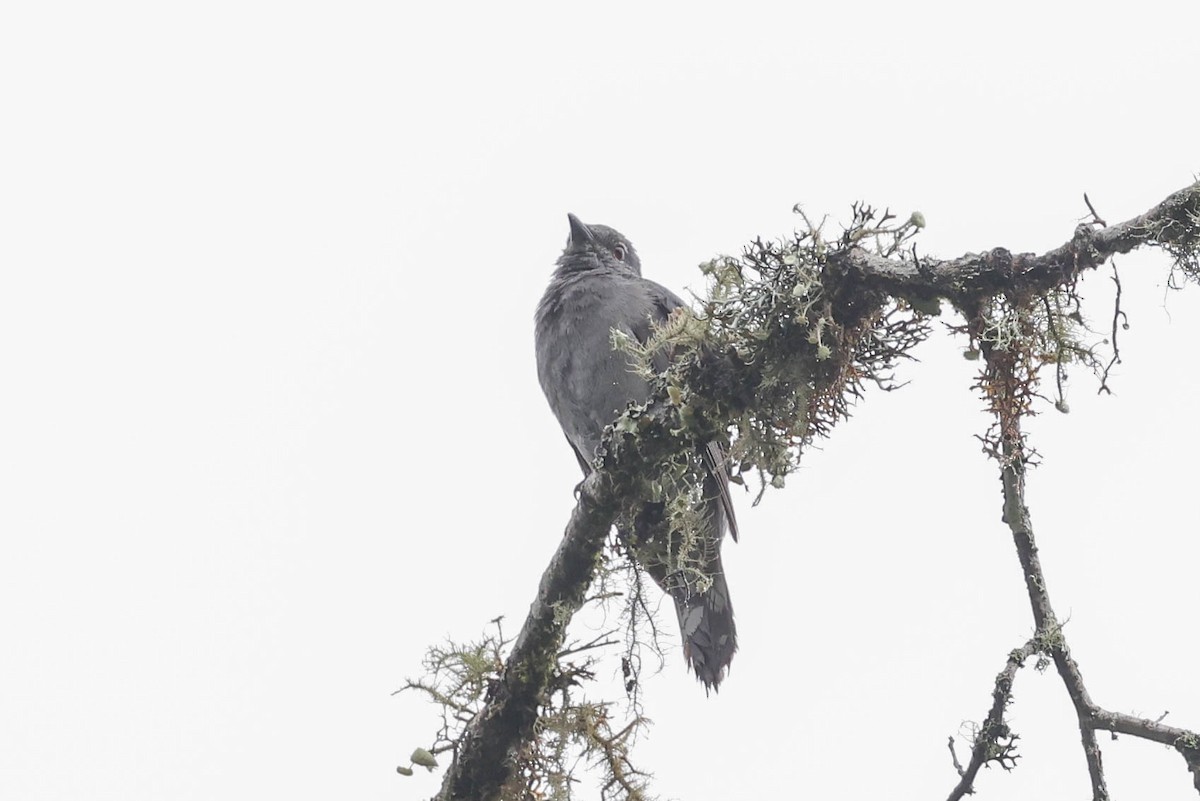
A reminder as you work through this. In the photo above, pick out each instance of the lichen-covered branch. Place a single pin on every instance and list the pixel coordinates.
(789, 335)
(1173, 225)
(1049, 634)
(486, 755)
(1006, 386)
(994, 741)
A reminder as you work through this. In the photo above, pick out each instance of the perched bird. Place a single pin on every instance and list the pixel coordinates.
(597, 287)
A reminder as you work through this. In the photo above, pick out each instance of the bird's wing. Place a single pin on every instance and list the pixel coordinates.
(717, 463)
(661, 302)
(583, 463)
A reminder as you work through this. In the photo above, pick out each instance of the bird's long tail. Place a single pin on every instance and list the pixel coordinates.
(689, 570)
(707, 628)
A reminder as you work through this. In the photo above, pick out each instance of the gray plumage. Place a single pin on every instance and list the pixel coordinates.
(597, 287)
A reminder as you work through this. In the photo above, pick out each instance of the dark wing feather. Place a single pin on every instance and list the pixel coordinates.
(584, 463)
(716, 462)
(662, 302)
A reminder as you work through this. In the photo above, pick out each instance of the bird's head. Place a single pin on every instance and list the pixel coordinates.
(590, 243)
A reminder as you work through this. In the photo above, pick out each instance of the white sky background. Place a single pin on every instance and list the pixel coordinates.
(269, 421)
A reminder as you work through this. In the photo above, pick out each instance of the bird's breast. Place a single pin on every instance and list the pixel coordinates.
(586, 381)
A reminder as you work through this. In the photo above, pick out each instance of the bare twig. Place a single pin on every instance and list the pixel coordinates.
(1096, 218)
(599, 642)
(1119, 320)
(1059, 370)
(954, 757)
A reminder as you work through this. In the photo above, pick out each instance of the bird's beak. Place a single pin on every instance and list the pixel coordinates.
(580, 234)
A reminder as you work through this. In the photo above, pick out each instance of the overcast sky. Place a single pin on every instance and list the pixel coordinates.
(270, 425)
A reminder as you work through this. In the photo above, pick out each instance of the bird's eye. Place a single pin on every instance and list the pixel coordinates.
(619, 251)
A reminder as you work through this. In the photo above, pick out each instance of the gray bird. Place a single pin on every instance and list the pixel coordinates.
(597, 287)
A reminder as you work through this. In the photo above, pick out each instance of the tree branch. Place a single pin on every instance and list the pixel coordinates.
(1049, 634)
(1049, 637)
(486, 756)
(968, 278)
(994, 740)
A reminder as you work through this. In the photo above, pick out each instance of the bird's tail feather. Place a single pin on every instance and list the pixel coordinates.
(708, 631)
(690, 571)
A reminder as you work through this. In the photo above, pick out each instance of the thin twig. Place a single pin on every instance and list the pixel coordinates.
(1059, 370)
(954, 756)
(596, 643)
(1119, 319)
(1096, 218)
(994, 739)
